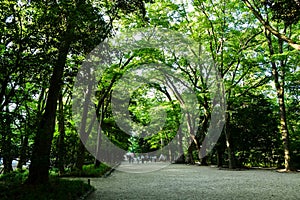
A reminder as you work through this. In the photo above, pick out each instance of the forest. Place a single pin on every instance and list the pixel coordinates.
(212, 82)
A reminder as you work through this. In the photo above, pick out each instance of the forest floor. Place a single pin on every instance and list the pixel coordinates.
(195, 182)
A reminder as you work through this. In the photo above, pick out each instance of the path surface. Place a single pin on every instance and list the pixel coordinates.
(194, 182)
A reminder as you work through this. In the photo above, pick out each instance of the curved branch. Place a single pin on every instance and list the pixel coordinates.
(270, 28)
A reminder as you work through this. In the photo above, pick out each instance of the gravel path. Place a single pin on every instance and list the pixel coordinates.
(195, 182)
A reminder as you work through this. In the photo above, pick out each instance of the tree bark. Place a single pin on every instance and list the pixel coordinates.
(202, 150)
(61, 137)
(99, 131)
(83, 133)
(25, 139)
(230, 151)
(40, 161)
(6, 151)
(189, 157)
(23, 151)
(219, 158)
(180, 158)
(6, 141)
(80, 156)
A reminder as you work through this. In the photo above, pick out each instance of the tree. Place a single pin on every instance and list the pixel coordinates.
(230, 46)
(280, 62)
(69, 31)
(80, 27)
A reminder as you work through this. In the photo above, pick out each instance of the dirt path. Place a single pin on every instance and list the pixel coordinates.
(194, 182)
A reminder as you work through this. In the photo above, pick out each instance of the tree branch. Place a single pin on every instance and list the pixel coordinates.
(270, 28)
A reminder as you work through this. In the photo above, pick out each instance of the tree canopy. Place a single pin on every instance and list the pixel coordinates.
(171, 66)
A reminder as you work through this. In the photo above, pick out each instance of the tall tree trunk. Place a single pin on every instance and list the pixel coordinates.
(23, 151)
(103, 109)
(61, 138)
(7, 162)
(219, 158)
(202, 150)
(40, 161)
(99, 131)
(6, 151)
(80, 156)
(280, 97)
(230, 151)
(189, 157)
(283, 126)
(83, 133)
(6, 141)
(181, 157)
(24, 140)
(220, 150)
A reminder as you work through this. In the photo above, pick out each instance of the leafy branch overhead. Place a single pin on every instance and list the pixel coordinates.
(285, 10)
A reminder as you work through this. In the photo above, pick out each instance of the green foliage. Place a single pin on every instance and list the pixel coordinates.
(13, 186)
(255, 133)
(285, 10)
(58, 189)
(15, 177)
(88, 171)
(134, 145)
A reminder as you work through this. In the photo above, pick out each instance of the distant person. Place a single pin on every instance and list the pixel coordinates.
(138, 159)
(142, 158)
(147, 158)
(154, 158)
(132, 157)
(129, 158)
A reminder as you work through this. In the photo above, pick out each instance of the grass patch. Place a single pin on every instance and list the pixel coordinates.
(12, 187)
(89, 171)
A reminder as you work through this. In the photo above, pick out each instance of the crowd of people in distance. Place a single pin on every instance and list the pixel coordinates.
(143, 158)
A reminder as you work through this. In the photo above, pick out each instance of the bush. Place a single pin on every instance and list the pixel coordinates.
(56, 189)
(89, 171)
(14, 177)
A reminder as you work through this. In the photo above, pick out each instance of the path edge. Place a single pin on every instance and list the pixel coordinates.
(84, 196)
(108, 173)
(93, 189)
